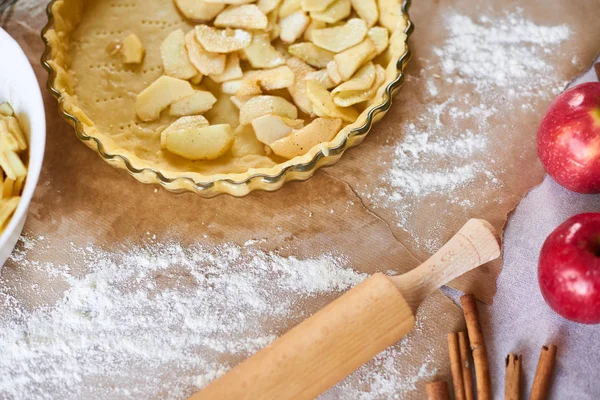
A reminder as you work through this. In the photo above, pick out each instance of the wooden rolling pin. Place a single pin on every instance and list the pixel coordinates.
(334, 342)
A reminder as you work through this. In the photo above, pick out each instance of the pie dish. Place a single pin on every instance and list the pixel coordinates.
(96, 95)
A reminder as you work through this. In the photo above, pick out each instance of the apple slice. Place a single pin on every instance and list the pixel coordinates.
(334, 73)
(322, 78)
(198, 10)
(246, 16)
(192, 138)
(266, 6)
(270, 128)
(183, 123)
(298, 89)
(222, 40)
(349, 61)
(198, 103)
(6, 109)
(133, 50)
(246, 143)
(233, 86)
(347, 98)
(197, 79)
(7, 205)
(159, 95)
(337, 11)
(176, 62)
(299, 142)
(206, 62)
(271, 79)
(314, 24)
(293, 26)
(273, 28)
(262, 105)
(232, 70)
(380, 38)
(396, 47)
(390, 14)
(12, 165)
(261, 54)
(323, 102)
(315, 5)
(239, 101)
(340, 38)
(249, 88)
(288, 7)
(232, 2)
(311, 54)
(14, 127)
(241, 88)
(362, 80)
(18, 186)
(7, 140)
(366, 10)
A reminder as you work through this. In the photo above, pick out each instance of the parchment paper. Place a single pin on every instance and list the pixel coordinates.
(520, 321)
(81, 199)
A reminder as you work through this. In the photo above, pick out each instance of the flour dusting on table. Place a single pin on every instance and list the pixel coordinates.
(164, 320)
(488, 63)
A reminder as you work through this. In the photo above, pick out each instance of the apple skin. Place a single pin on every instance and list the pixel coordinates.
(569, 269)
(568, 139)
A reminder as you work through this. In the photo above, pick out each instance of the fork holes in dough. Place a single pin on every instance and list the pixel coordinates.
(123, 5)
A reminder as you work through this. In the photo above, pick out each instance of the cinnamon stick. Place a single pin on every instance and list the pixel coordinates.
(512, 385)
(437, 390)
(478, 350)
(597, 68)
(456, 367)
(465, 361)
(543, 373)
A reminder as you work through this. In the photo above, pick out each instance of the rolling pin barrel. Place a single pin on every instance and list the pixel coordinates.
(334, 342)
(322, 350)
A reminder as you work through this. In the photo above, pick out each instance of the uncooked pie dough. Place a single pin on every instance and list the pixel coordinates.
(100, 89)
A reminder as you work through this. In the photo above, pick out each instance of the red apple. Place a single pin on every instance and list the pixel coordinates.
(569, 139)
(569, 269)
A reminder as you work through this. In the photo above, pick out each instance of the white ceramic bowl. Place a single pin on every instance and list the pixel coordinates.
(19, 86)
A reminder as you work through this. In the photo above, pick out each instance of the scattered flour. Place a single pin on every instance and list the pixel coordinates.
(383, 377)
(163, 320)
(445, 147)
(504, 52)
